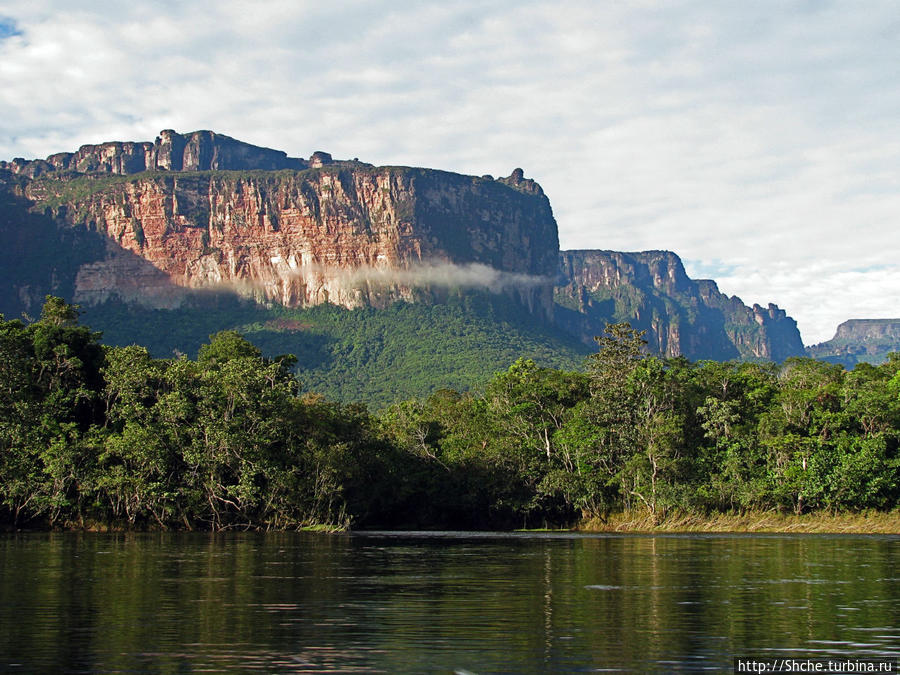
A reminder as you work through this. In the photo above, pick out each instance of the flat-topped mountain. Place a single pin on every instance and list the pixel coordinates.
(857, 340)
(681, 316)
(155, 226)
(215, 213)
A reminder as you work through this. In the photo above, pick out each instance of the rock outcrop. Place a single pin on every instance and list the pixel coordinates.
(681, 316)
(155, 224)
(860, 340)
(312, 232)
(171, 151)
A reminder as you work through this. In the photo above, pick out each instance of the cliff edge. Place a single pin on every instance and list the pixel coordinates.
(202, 211)
(158, 224)
(681, 316)
(860, 340)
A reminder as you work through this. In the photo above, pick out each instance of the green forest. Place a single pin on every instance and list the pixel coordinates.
(364, 355)
(109, 436)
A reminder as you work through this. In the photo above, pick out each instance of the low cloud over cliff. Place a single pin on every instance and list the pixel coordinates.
(444, 274)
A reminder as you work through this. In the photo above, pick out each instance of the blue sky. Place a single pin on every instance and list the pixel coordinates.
(8, 28)
(760, 141)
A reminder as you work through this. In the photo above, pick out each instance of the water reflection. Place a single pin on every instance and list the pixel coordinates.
(439, 602)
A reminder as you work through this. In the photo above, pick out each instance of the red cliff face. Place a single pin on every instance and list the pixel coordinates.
(152, 223)
(349, 234)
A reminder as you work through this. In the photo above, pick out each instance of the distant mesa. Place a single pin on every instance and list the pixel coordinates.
(860, 340)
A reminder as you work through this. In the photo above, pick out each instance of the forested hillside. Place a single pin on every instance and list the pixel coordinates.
(364, 355)
(112, 437)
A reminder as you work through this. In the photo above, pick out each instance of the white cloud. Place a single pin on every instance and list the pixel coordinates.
(756, 136)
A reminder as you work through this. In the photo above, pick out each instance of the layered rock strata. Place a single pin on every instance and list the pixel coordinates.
(171, 151)
(681, 316)
(860, 340)
(156, 223)
(340, 232)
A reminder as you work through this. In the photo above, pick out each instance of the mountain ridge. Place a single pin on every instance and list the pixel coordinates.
(161, 225)
(171, 151)
(681, 316)
(859, 340)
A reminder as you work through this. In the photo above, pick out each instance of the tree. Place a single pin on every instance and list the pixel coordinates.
(50, 393)
(586, 478)
(613, 407)
(226, 346)
(729, 464)
(530, 405)
(20, 467)
(653, 468)
(140, 467)
(799, 430)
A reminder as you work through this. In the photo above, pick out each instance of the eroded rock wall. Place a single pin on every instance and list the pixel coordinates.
(171, 151)
(681, 316)
(349, 235)
(155, 223)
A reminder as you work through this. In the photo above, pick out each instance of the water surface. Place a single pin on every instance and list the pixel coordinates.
(440, 602)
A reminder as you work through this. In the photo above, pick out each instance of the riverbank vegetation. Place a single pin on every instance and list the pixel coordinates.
(759, 522)
(94, 436)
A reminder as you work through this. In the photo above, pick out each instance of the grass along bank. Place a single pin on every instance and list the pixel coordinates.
(866, 522)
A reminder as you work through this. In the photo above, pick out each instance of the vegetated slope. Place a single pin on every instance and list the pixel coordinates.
(860, 341)
(367, 355)
(114, 438)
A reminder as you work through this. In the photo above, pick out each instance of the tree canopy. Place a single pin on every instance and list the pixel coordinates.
(110, 436)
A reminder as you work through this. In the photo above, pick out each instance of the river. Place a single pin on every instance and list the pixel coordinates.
(440, 602)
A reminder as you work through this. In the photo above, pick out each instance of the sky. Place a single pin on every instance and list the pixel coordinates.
(759, 140)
